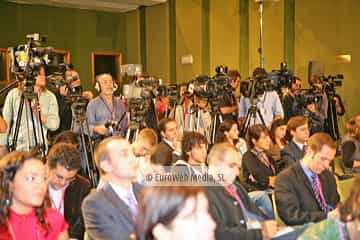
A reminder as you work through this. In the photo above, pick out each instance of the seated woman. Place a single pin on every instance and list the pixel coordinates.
(277, 134)
(259, 169)
(25, 214)
(342, 223)
(351, 146)
(172, 213)
(228, 132)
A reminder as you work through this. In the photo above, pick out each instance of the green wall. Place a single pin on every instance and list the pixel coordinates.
(213, 31)
(78, 31)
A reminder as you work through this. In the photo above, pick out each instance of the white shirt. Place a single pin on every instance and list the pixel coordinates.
(57, 198)
(300, 145)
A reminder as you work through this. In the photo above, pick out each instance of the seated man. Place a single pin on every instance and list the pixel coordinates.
(67, 189)
(306, 191)
(298, 128)
(109, 213)
(236, 216)
(168, 150)
(194, 149)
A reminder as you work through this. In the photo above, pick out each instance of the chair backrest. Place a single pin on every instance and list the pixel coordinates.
(277, 217)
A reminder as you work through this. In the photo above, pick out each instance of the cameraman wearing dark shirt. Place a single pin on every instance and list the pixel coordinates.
(288, 100)
(229, 104)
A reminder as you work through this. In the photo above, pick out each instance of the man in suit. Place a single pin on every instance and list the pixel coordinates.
(109, 213)
(298, 128)
(67, 189)
(236, 216)
(168, 150)
(306, 191)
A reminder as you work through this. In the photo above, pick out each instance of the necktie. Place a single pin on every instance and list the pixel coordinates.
(132, 204)
(315, 184)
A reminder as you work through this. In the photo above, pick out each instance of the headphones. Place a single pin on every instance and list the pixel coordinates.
(98, 85)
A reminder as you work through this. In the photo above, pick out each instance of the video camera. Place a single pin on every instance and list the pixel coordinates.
(27, 60)
(58, 78)
(304, 97)
(281, 78)
(212, 87)
(331, 82)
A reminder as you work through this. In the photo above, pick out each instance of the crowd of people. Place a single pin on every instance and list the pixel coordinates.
(172, 181)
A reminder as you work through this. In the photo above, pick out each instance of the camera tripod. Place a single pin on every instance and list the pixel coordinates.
(216, 117)
(89, 166)
(37, 126)
(251, 116)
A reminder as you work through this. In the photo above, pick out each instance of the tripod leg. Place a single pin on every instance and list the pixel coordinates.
(12, 147)
(94, 170)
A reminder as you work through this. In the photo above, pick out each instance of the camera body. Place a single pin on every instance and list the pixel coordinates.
(308, 96)
(330, 82)
(27, 60)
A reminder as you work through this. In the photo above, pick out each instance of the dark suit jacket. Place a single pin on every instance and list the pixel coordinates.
(295, 201)
(252, 165)
(291, 153)
(228, 215)
(106, 216)
(164, 154)
(73, 197)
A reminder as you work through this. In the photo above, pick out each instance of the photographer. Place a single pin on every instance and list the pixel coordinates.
(268, 102)
(46, 105)
(228, 103)
(105, 113)
(289, 98)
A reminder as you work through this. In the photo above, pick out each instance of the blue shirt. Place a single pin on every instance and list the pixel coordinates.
(98, 112)
(309, 174)
(269, 105)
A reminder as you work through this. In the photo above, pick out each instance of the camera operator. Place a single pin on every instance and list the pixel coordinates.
(63, 94)
(229, 104)
(313, 104)
(289, 98)
(105, 113)
(47, 106)
(268, 103)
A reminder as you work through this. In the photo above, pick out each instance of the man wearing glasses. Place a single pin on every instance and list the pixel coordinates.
(67, 189)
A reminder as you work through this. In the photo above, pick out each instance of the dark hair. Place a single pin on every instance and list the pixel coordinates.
(233, 74)
(295, 122)
(161, 205)
(275, 124)
(162, 124)
(318, 140)
(254, 132)
(189, 141)
(67, 137)
(9, 165)
(259, 72)
(350, 209)
(64, 154)
(225, 126)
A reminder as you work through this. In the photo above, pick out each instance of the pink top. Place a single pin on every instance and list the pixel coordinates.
(26, 226)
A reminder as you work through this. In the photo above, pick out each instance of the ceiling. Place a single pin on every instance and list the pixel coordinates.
(98, 5)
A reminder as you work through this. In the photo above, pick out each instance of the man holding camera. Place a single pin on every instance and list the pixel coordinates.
(289, 98)
(43, 107)
(268, 103)
(229, 104)
(106, 113)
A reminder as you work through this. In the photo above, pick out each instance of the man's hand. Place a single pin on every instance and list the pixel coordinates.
(100, 129)
(269, 229)
(272, 181)
(311, 107)
(63, 90)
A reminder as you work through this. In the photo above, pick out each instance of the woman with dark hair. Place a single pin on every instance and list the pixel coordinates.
(24, 212)
(342, 223)
(172, 213)
(228, 132)
(277, 135)
(259, 169)
(351, 146)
